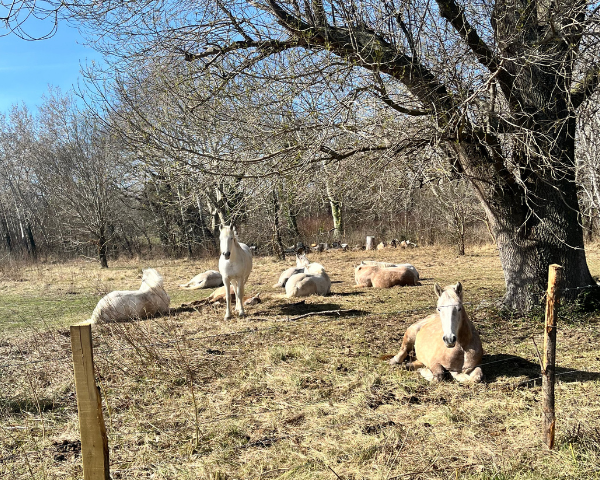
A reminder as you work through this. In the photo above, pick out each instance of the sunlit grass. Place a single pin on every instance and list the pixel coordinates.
(282, 394)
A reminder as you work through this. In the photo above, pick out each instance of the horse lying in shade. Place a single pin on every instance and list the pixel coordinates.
(379, 277)
(445, 341)
(313, 281)
(235, 265)
(120, 306)
(301, 263)
(208, 279)
(219, 295)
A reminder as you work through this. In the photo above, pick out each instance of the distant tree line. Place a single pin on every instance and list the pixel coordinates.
(71, 187)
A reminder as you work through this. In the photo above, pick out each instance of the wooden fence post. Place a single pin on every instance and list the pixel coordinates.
(549, 358)
(370, 245)
(94, 442)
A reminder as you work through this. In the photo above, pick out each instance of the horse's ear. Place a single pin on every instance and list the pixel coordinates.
(437, 289)
(458, 289)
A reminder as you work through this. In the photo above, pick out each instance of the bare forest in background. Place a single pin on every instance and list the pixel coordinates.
(319, 122)
(71, 188)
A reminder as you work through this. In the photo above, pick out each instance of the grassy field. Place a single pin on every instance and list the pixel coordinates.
(290, 391)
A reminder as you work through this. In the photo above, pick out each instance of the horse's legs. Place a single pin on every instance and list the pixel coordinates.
(227, 284)
(435, 374)
(408, 343)
(475, 375)
(239, 300)
(415, 365)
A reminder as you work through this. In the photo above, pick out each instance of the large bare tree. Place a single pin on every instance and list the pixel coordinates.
(499, 83)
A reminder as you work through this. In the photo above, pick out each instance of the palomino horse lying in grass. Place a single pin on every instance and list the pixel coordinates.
(391, 265)
(120, 306)
(314, 281)
(208, 279)
(235, 265)
(444, 341)
(219, 295)
(301, 263)
(385, 277)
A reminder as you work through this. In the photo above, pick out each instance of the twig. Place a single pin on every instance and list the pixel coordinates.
(340, 478)
(539, 356)
(324, 312)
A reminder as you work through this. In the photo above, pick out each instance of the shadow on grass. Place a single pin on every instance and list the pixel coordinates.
(496, 366)
(302, 308)
(346, 294)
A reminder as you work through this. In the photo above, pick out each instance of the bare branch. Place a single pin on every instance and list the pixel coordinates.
(455, 15)
(586, 86)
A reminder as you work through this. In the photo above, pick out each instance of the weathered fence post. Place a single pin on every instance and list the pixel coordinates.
(370, 245)
(94, 442)
(549, 359)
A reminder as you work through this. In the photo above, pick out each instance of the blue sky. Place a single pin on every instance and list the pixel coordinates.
(28, 67)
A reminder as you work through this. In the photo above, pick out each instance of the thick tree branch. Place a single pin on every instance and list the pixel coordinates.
(385, 98)
(455, 15)
(334, 155)
(369, 50)
(266, 46)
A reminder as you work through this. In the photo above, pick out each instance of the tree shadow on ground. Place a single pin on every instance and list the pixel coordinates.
(302, 308)
(346, 294)
(502, 365)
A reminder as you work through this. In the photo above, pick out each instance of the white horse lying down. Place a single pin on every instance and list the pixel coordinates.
(219, 295)
(124, 305)
(208, 279)
(301, 263)
(314, 281)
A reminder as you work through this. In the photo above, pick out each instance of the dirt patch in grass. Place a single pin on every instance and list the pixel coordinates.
(295, 389)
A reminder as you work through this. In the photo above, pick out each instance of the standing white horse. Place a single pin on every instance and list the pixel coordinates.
(235, 265)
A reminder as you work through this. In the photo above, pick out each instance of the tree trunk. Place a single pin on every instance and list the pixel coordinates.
(336, 206)
(278, 247)
(31, 241)
(292, 218)
(103, 250)
(7, 238)
(338, 219)
(536, 222)
(459, 223)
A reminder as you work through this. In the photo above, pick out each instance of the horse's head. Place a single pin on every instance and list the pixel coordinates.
(301, 260)
(226, 237)
(450, 307)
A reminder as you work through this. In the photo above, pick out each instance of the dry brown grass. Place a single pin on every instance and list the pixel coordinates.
(276, 396)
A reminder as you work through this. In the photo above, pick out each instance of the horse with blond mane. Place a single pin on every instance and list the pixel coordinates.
(235, 265)
(445, 341)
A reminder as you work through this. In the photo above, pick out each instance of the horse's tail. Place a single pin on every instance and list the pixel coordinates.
(152, 278)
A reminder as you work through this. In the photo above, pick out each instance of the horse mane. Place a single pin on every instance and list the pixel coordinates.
(227, 230)
(450, 290)
(152, 278)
